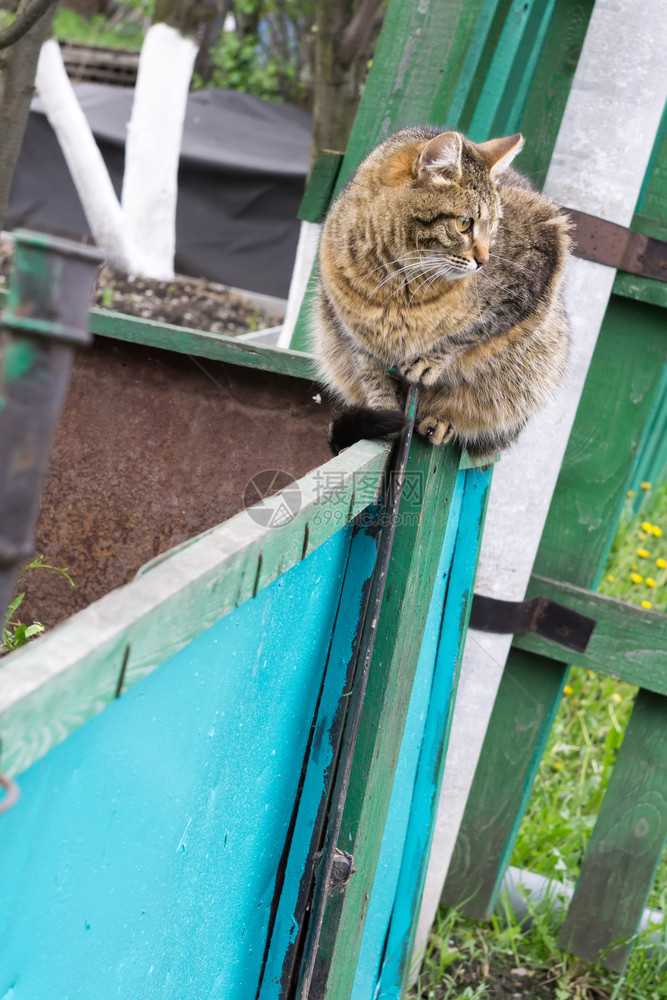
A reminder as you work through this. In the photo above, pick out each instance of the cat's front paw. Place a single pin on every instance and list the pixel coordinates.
(419, 371)
(435, 431)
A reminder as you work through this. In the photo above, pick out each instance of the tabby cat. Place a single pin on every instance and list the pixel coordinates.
(440, 261)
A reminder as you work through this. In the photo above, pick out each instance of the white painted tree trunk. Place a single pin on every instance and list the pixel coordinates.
(152, 150)
(598, 165)
(82, 156)
(139, 236)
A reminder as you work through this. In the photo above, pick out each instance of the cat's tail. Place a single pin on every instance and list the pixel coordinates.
(351, 426)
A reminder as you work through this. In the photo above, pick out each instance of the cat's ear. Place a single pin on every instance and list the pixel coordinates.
(499, 153)
(441, 153)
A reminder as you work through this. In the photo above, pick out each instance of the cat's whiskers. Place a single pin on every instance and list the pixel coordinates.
(416, 266)
(513, 263)
(390, 263)
(420, 266)
(443, 270)
(504, 288)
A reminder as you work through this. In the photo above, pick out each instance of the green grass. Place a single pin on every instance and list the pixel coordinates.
(465, 955)
(123, 33)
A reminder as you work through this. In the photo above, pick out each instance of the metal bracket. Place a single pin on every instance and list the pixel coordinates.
(608, 243)
(547, 618)
(342, 869)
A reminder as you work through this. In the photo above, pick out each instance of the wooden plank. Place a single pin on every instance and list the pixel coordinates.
(320, 185)
(550, 86)
(202, 344)
(51, 687)
(513, 52)
(617, 400)
(423, 807)
(521, 719)
(430, 693)
(423, 516)
(293, 902)
(626, 845)
(628, 642)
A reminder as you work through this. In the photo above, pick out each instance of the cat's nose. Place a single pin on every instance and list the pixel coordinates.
(481, 255)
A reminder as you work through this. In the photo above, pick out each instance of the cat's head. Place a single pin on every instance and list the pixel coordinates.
(445, 192)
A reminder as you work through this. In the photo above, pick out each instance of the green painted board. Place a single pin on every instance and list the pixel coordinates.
(626, 845)
(547, 97)
(628, 642)
(201, 344)
(423, 515)
(523, 713)
(319, 188)
(623, 380)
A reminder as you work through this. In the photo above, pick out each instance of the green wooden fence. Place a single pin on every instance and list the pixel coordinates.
(491, 68)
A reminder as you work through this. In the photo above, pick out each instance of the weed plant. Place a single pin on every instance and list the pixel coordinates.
(520, 957)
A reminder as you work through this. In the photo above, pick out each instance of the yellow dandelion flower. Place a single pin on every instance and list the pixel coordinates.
(650, 582)
(645, 486)
(616, 698)
(568, 690)
(661, 563)
(646, 604)
(647, 527)
(630, 494)
(558, 766)
(643, 553)
(634, 568)
(610, 578)
(656, 530)
(636, 578)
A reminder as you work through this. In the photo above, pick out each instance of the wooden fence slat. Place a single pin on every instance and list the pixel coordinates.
(414, 562)
(628, 642)
(521, 719)
(428, 780)
(626, 844)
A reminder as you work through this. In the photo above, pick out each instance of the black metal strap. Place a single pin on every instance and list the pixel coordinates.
(608, 243)
(547, 618)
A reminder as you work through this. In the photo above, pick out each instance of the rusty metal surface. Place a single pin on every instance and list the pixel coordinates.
(541, 615)
(608, 243)
(152, 448)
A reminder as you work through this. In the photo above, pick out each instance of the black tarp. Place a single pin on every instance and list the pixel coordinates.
(241, 178)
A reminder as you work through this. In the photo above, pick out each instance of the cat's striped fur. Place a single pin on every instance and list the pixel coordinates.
(441, 261)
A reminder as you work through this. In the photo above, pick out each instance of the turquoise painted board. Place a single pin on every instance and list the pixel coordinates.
(389, 862)
(472, 489)
(310, 811)
(401, 867)
(122, 877)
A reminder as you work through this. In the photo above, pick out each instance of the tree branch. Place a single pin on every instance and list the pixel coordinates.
(24, 21)
(358, 30)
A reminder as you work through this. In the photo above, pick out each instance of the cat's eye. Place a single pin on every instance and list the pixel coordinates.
(464, 225)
